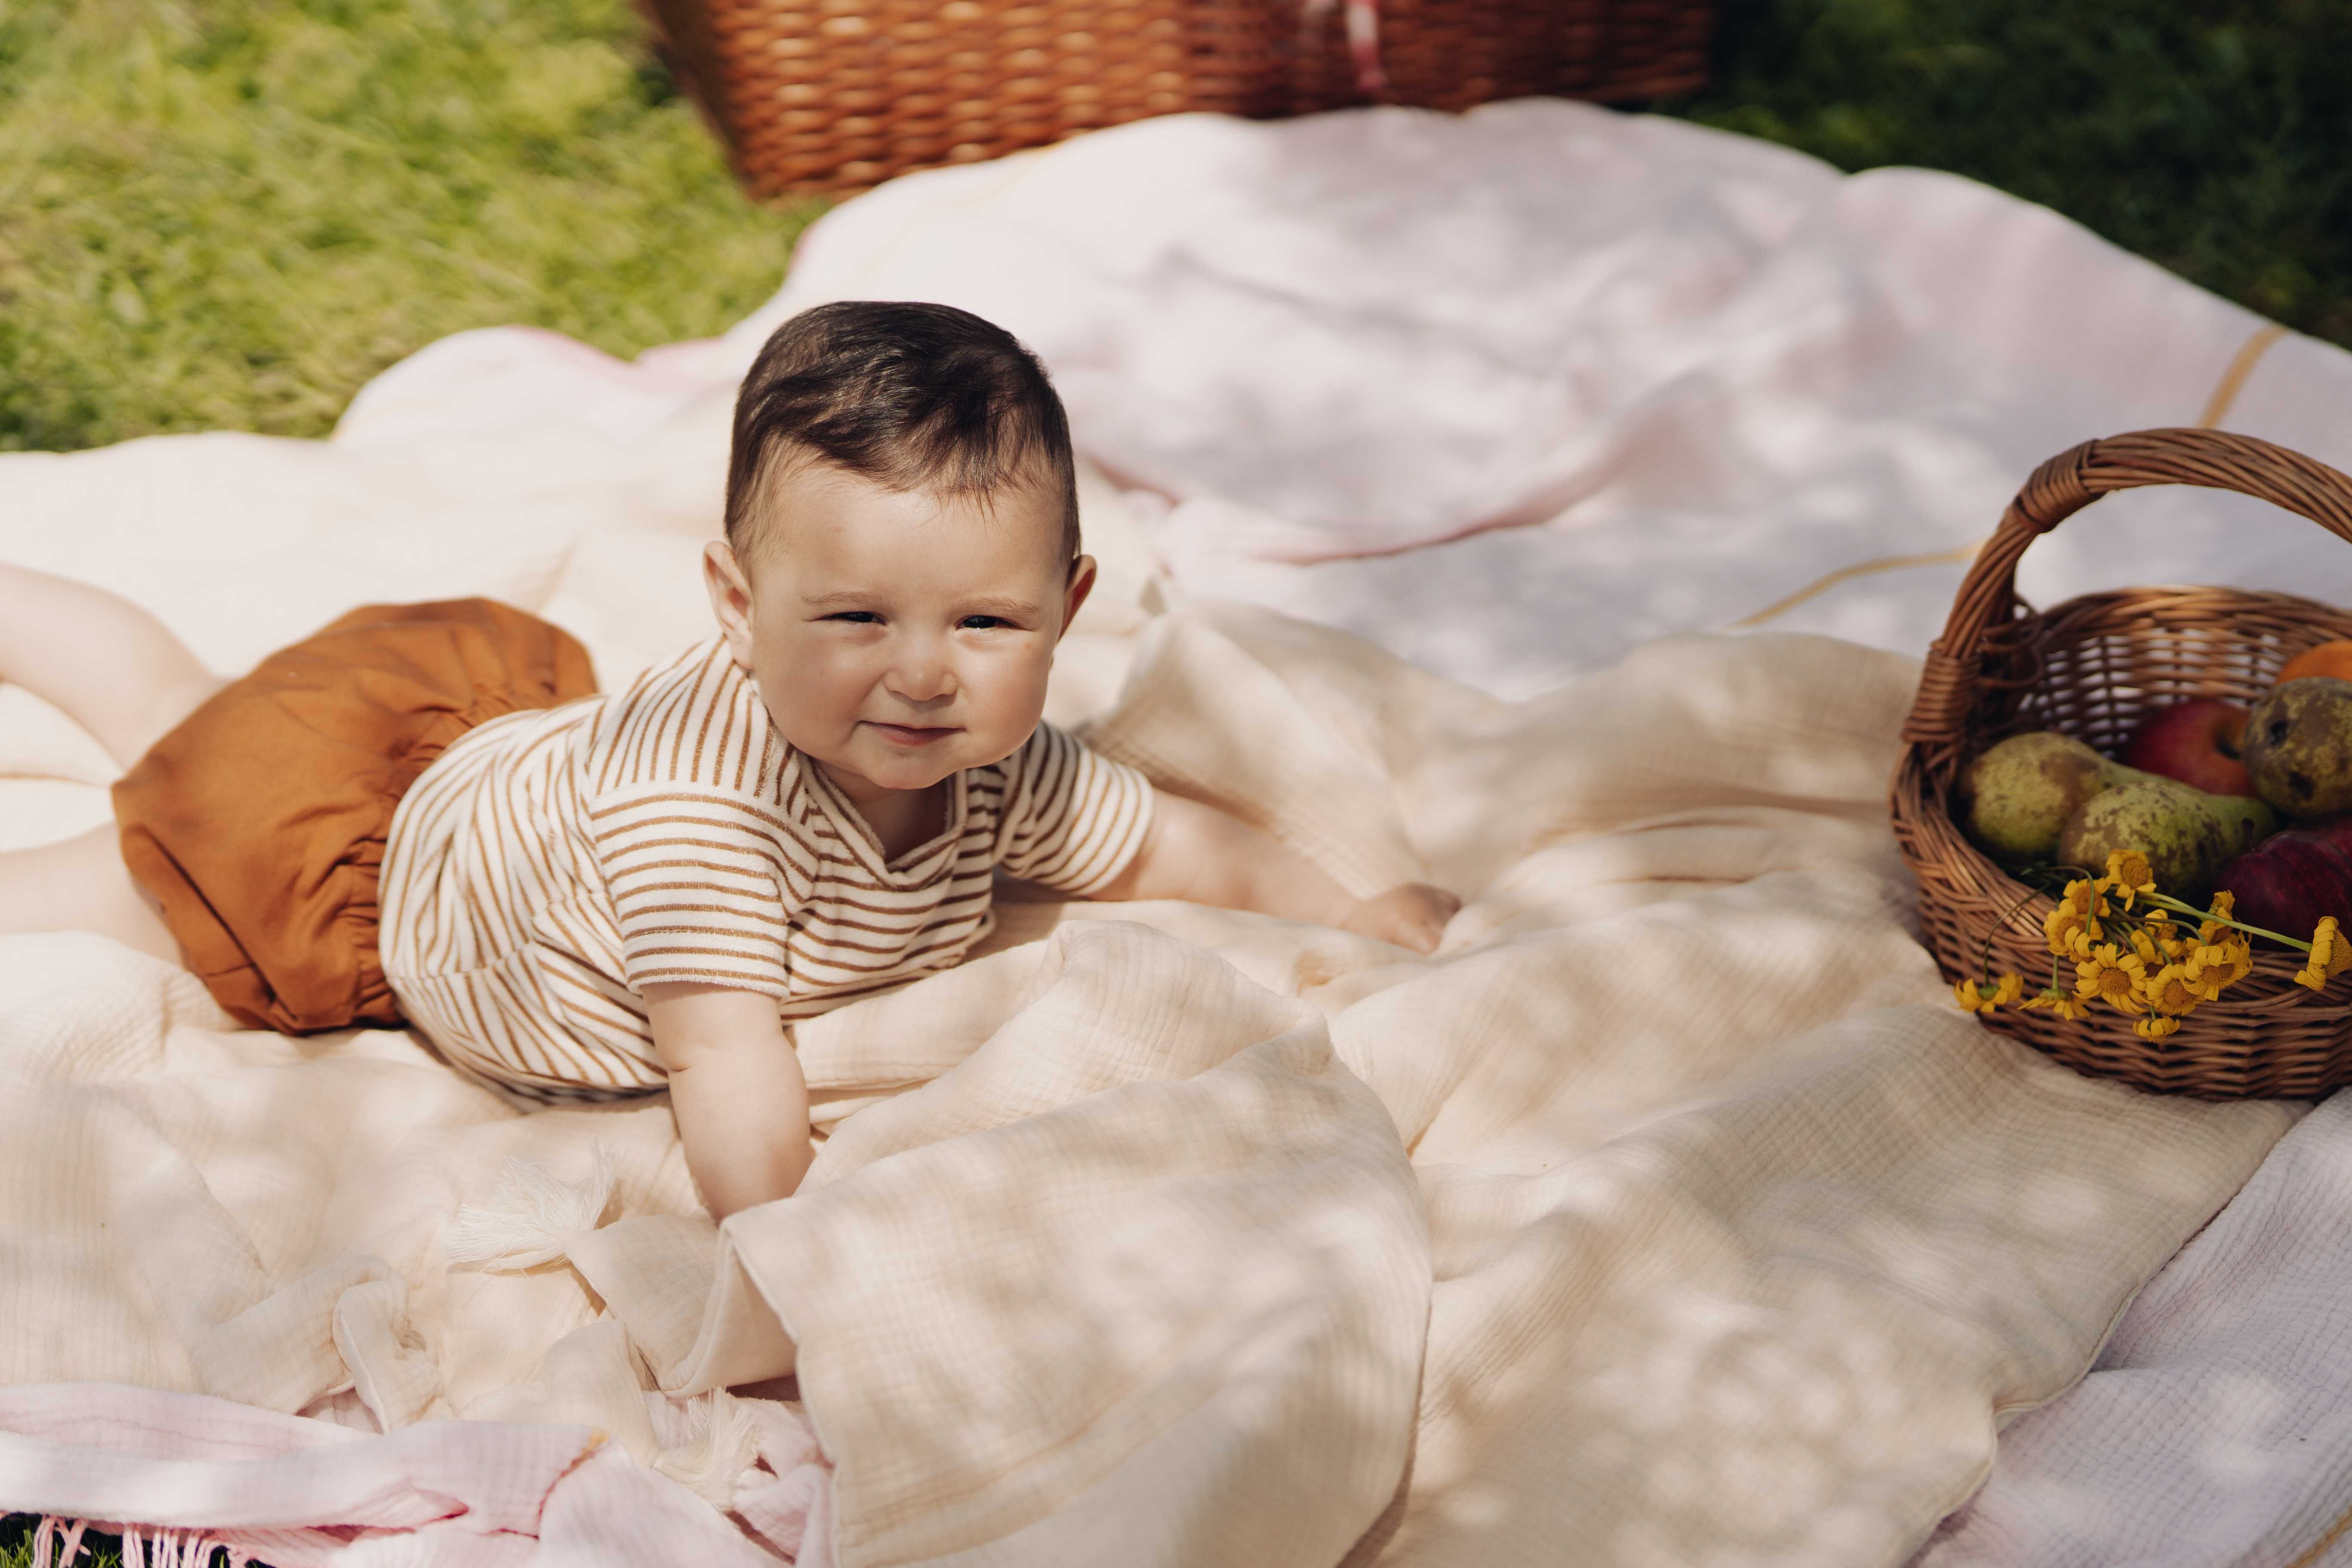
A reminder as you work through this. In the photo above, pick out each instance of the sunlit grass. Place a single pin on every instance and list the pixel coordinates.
(232, 213)
(16, 1546)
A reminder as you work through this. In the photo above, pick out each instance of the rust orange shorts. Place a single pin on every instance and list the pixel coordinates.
(259, 822)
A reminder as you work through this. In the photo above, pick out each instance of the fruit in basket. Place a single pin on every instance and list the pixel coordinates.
(2188, 835)
(2020, 792)
(2194, 742)
(2289, 880)
(2245, 820)
(2298, 746)
(2328, 658)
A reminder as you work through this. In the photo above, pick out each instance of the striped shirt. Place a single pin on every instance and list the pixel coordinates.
(552, 864)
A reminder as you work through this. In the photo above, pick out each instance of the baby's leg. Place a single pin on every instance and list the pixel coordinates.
(115, 670)
(80, 884)
(112, 667)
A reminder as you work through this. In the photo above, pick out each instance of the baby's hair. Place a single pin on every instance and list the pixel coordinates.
(911, 397)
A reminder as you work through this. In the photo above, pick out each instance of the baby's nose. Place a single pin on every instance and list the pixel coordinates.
(924, 681)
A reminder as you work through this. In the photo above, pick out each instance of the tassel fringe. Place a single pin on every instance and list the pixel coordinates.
(724, 1444)
(57, 1543)
(531, 1218)
(68, 1547)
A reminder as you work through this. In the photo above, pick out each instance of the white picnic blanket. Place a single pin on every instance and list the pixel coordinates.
(1721, 1237)
(1698, 371)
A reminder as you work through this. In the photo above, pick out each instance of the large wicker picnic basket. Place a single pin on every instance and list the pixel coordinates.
(812, 95)
(2091, 668)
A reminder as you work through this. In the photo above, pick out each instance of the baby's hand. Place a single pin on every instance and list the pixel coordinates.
(1410, 914)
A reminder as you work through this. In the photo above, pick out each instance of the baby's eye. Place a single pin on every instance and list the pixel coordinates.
(983, 623)
(857, 617)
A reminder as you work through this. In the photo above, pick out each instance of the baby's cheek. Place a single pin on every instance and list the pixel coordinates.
(1036, 672)
(812, 688)
(1010, 701)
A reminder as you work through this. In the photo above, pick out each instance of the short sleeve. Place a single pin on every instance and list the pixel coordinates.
(702, 883)
(1074, 820)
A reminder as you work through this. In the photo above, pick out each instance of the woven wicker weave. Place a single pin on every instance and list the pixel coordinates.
(2092, 668)
(813, 95)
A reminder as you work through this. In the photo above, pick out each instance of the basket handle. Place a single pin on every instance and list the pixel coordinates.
(2063, 486)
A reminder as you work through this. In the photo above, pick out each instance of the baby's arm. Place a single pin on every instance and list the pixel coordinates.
(1199, 854)
(736, 1088)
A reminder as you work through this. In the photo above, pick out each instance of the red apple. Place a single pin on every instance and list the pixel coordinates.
(2290, 880)
(2195, 742)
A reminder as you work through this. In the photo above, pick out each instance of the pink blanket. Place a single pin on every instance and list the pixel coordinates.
(197, 1473)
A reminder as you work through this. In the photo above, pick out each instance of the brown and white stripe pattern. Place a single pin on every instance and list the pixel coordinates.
(550, 865)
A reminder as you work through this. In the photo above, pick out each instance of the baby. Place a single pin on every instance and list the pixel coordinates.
(426, 815)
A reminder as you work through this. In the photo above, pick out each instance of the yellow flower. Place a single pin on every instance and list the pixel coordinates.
(2208, 970)
(2155, 1028)
(2070, 932)
(2168, 938)
(2212, 965)
(2225, 908)
(2113, 977)
(1983, 996)
(2326, 954)
(2127, 874)
(2170, 991)
(2144, 944)
(2057, 1001)
(2081, 896)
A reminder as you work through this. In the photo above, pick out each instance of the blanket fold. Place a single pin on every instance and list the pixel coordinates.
(1155, 1206)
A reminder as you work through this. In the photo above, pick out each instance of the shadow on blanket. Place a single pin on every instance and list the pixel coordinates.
(1668, 1209)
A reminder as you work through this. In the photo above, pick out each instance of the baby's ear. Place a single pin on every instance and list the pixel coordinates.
(1082, 583)
(731, 597)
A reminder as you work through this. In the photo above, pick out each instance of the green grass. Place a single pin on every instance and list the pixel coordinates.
(232, 213)
(2213, 136)
(16, 1546)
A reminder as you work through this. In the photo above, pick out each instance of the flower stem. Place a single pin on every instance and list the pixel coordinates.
(2172, 903)
(1985, 964)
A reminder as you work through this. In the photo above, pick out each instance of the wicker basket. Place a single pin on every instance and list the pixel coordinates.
(815, 95)
(2092, 668)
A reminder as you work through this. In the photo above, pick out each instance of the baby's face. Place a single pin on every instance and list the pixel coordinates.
(897, 636)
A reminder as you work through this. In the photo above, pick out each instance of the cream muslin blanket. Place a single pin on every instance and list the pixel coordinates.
(1668, 1213)
(2216, 1426)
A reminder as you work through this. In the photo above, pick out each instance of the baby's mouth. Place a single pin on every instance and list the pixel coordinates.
(911, 735)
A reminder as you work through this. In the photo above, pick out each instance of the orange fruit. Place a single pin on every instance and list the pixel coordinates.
(2328, 658)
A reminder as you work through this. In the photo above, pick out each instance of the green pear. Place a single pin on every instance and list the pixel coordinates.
(2246, 821)
(2298, 746)
(2187, 835)
(2021, 792)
